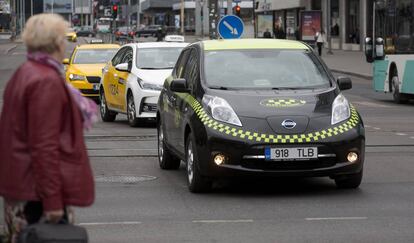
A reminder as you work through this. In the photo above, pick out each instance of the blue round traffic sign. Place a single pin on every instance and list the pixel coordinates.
(230, 27)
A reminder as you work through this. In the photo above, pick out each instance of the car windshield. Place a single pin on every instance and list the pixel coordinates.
(264, 69)
(90, 56)
(158, 58)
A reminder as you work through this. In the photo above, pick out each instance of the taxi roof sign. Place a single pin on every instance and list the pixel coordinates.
(174, 38)
(96, 41)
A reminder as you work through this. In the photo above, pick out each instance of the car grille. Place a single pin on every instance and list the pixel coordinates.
(93, 79)
(288, 165)
(89, 91)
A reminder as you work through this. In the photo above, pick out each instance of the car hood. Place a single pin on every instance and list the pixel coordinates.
(87, 69)
(155, 76)
(308, 109)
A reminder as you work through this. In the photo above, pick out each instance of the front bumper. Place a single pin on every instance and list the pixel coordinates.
(87, 89)
(248, 158)
(146, 102)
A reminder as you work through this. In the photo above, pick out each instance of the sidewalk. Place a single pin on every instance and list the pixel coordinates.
(348, 62)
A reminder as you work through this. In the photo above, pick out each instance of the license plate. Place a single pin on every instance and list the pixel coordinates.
(96, 87)
(303, 153)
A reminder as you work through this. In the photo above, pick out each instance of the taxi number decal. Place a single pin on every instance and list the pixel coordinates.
(114, 89)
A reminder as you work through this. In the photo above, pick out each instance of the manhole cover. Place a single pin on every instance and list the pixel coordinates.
(124, 179)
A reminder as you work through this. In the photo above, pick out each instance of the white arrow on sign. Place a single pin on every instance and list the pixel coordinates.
(233, 30)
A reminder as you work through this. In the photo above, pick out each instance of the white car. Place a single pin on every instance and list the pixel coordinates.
(131, 82)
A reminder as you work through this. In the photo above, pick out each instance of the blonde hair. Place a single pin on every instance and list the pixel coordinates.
(45, 33)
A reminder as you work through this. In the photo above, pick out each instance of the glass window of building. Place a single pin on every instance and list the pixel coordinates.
(279, 25)
(352, 20)
(335, 18)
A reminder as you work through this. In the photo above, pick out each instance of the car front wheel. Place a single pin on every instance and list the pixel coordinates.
(196, 182)
(131, 111)
(349, 181)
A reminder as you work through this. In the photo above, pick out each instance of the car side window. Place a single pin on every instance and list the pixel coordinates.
(118, 56)
(179, 68)
(127, 58)
(191, 73)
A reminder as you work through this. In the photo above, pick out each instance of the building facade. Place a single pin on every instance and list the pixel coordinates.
(349, 20)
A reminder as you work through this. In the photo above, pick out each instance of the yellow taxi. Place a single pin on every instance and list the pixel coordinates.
(84, 67)
(71, 35)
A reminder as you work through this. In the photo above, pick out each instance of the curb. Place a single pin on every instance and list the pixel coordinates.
(368, 77)
(10, 49)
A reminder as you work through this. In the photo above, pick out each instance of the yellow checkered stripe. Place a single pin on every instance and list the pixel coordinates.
(271, 138)
(283, 102)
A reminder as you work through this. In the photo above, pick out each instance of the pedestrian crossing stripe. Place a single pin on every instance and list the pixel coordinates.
(254, 136)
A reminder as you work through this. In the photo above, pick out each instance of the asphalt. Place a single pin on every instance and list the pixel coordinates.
(138, 202)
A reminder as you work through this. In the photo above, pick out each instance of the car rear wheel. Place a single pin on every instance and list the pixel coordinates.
(166, 159)
(196, 182)
(131, 112)
(349, 181)
(106, 114)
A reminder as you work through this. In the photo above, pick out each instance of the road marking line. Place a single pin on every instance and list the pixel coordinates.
(224, 221)
(110, 223)
(401, 134)
(376, 128)
(336, 218)
(412, 137)
(367, 126)
(371, 104)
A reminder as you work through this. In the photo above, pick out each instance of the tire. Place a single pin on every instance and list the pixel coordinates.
(132, 112)
(196, 182)
(166, 159)
(106, 114)
(349, 181)
(396, 95)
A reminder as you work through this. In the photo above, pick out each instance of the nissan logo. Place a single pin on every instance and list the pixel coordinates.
(289, 124)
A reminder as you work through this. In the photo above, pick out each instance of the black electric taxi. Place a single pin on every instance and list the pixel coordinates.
(258, 107)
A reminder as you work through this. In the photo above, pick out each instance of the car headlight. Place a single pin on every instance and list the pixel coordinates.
(340, 109)
(76, 77)
(221, 110)
(149, 86)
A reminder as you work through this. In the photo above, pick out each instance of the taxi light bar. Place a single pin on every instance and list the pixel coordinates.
(352, 157)
(96, 41)
(174, 38)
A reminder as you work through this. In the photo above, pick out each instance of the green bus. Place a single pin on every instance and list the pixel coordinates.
(392, 49)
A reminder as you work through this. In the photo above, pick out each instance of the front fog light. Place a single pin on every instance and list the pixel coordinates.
(219, 159)
(352, 157)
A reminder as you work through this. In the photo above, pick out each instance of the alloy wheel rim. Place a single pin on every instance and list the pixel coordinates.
(160, 143)
(190, 163)
(103, 104)
(131, 109)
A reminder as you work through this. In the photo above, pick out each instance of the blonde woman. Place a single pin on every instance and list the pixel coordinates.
(44, 166)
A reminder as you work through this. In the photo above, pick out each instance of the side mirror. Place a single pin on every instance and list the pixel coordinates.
(379, 49)
(368, 50)
(65, 61)
(122, 67)
(179, 85)
(344, 83)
